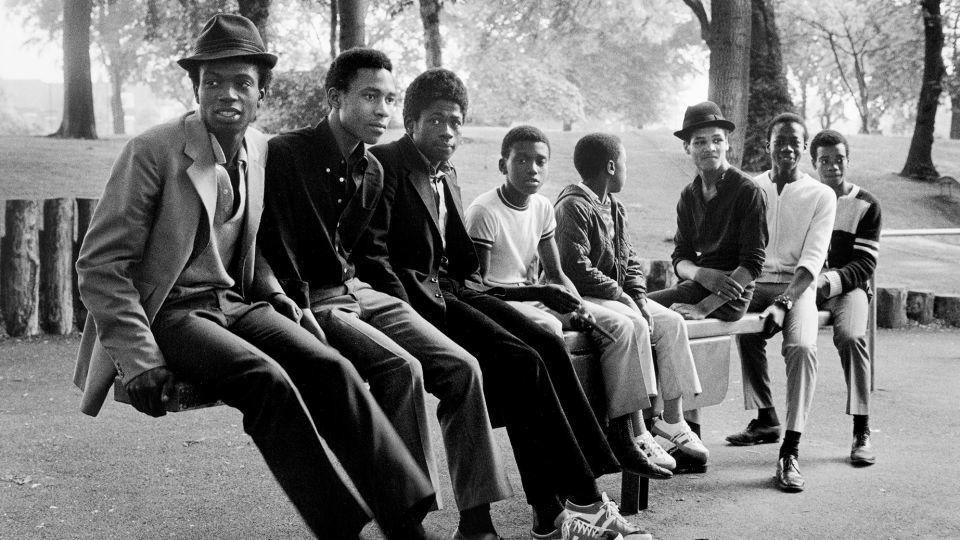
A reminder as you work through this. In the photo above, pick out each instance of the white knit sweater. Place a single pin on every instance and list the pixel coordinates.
(799, 224)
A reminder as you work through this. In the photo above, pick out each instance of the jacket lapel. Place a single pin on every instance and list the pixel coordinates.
(419, 179)
(256, 147)
(201, 172)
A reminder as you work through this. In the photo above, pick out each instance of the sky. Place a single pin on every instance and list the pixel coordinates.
(19, 61)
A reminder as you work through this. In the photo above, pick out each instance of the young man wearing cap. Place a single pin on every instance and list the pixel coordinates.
(800, 213)
(322, 187)
(420, 251)
(721, 229)
(721, 225)
(596, 254)
(843, 287)
(169, 274)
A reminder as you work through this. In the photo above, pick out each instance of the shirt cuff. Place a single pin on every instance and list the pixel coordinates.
(836, 287)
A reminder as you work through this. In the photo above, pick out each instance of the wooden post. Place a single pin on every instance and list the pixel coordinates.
(891, 307)
(947, 307)
(56, 260)
(920, 306)
(20, 285)
(85, 208)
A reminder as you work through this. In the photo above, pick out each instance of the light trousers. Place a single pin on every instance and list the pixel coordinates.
(799, 351)
(621, 364)
(676, 371)
(850, 311)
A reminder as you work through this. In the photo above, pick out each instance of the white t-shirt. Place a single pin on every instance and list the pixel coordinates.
(512, 234)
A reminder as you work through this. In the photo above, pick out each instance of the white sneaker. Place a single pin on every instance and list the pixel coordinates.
(655, 452)
(683, 437)
(578, 529)
(606, 515)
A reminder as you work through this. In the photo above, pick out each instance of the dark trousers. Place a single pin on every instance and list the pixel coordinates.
(691, 292)
(533, 390)
(296, 394)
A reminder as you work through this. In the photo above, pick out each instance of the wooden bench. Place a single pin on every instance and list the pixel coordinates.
(711, 342)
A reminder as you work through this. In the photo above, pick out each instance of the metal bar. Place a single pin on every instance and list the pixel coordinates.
(918, 232)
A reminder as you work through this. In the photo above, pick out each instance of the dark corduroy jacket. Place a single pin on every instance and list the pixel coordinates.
(597, 266)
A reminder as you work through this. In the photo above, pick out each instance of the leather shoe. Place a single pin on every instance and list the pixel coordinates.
(756, 433)
(686, 464)
(861, 452)
(788, 474)
(633, 459)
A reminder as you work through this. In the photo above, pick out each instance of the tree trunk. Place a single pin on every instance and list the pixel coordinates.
(78, 120)
(21, 268)
(56, 262)
(116, 103)
(919, 158)
(353, 29)
(768, 86)
(85, 208)
(257, 11)
(334, 24)
(430, 15)
(729, 74)
(955, 116)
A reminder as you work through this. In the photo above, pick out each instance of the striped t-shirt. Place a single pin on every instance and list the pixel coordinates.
(855, 242)
(512, 234)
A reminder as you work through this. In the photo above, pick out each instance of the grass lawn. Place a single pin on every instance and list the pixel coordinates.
(38, 167)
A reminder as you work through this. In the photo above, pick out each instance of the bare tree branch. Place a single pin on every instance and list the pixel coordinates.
(701, 13)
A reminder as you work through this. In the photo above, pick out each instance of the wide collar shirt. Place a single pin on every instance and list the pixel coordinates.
(308, 187)
(725, 232)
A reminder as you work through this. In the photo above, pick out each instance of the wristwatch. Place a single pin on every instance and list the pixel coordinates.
(785, 301)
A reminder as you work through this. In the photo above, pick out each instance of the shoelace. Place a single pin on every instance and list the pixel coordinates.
(651, 450)
(611, 510)
(579, 526)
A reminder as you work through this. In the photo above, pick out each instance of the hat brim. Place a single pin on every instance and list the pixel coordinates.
(685, 132)
(266, 59)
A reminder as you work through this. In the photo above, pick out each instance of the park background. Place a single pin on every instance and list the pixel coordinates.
(569, 66)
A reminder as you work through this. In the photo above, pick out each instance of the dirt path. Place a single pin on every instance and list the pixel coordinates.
(195, 475)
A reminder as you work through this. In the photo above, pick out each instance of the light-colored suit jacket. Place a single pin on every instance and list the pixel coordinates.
(156, 210)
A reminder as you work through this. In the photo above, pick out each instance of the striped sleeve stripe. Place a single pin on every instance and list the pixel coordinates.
(872, 243)
(872, 252)
(836, 286)
(482, 241)
(548, 234)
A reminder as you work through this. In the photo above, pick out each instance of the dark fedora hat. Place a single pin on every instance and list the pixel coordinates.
(703, 115)
(227, 35)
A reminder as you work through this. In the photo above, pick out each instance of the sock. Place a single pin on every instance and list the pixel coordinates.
(476, 520)
(544, 515)
(791, 444)
(586, 494)
(768, 416)
(861, 424)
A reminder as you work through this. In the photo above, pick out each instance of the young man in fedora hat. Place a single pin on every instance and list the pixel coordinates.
(721, 231)
(721, 225)
(800, 215)
(175, 291)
